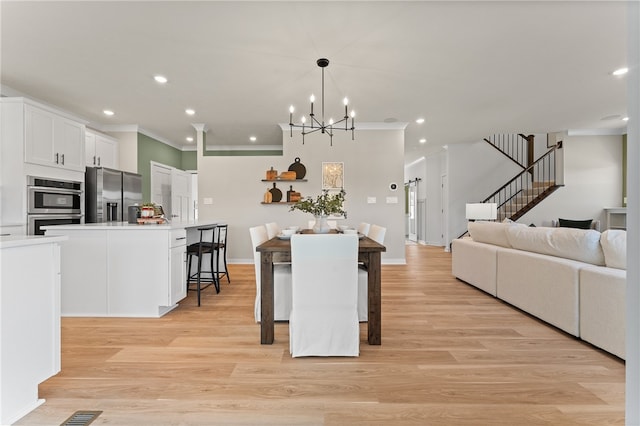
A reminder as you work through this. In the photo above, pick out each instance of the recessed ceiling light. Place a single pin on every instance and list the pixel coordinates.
(190, 111)
(160, 79)
(625, 119)
(108, 112)
(420, 120)
(621, 71)
(189, 139)
(423, 140)
(252, 138)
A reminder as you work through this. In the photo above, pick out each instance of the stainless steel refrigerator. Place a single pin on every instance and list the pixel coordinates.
(109, 193)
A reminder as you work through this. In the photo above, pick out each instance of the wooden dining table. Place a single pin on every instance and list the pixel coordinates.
(278, 250)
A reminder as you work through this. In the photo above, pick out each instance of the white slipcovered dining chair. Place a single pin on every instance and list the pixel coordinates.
(363, 228)
(377, 234)
(273, 229)
(281, 279)
(324, 314)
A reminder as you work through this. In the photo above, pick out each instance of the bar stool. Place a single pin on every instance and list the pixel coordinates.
(220, 245)
(199, 249)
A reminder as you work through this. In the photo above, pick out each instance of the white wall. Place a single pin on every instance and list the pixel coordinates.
(371, 163)
(474, 171)
(592, 179)
(632, 391)
(430, 170)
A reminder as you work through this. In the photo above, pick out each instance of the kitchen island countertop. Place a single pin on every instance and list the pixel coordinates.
(112, 226)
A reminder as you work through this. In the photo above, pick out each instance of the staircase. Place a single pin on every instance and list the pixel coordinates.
(534, 183)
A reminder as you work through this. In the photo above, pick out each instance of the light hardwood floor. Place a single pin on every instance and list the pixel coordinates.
(450, 355)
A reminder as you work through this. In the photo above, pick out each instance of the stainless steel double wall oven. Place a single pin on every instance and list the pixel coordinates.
(52, 202)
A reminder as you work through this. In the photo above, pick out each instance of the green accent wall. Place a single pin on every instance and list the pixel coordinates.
(189, 160)
(150, 149)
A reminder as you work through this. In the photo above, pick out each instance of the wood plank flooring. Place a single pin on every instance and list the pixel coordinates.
(450, 355)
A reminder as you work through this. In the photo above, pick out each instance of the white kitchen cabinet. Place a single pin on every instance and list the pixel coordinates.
(178, 266)
(53, 140)
(84, 292)
(101, 150)
(121, 269)
(30, 321)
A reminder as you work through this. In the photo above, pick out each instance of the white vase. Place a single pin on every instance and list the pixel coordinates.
(321, 226)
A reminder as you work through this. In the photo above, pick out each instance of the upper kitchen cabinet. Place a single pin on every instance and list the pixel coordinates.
(101, 150)
(53, 140)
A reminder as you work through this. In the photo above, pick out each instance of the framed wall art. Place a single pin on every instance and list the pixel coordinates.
(332, 176)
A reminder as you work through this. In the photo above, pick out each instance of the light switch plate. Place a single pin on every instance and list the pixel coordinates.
(392, 200)
(207, 201)
(371, 200)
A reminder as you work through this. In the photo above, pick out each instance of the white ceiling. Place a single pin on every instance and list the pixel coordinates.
(471, 69)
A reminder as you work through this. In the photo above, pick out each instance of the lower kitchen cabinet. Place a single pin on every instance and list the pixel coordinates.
(29, 320)
(122, 270)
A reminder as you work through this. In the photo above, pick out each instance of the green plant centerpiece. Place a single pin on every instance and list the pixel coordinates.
(322, 206)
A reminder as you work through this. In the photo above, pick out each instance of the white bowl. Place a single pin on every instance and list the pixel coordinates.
(288, 232)
(294, 228)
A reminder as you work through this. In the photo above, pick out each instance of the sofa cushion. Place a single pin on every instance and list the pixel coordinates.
(577, 244)
(614, 247)
(491, 232)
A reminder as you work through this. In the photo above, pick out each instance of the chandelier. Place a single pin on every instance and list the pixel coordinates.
(320, 125)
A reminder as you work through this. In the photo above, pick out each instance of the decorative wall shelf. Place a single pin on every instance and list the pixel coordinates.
(284, 180)
(278, 202)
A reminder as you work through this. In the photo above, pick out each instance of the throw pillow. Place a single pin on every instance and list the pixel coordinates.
(614, 246)
(578, 224)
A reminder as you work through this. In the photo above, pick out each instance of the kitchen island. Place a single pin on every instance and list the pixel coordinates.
(117, 269)
(29, 320)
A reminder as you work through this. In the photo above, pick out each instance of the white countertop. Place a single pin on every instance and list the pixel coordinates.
(115, 226)
(28, 240)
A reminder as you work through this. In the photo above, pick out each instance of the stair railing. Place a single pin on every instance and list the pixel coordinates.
(516, 147)
(515, 197)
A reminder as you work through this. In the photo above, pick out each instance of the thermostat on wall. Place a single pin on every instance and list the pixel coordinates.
(393, 186)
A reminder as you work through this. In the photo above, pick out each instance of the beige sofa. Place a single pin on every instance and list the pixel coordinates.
(573, 279)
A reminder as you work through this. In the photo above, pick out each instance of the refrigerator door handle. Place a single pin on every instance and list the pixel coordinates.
(112, 212)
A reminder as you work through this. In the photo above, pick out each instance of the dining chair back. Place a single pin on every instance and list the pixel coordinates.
(281, 279)
(273, 229)
(376, 233)
(363, 228)
(324, 315)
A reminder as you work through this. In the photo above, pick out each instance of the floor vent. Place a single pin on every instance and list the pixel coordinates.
(81, 418)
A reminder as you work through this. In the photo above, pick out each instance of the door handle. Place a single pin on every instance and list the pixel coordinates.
(63, 159)
(98, 161)
(94, 160)
(57, 158)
